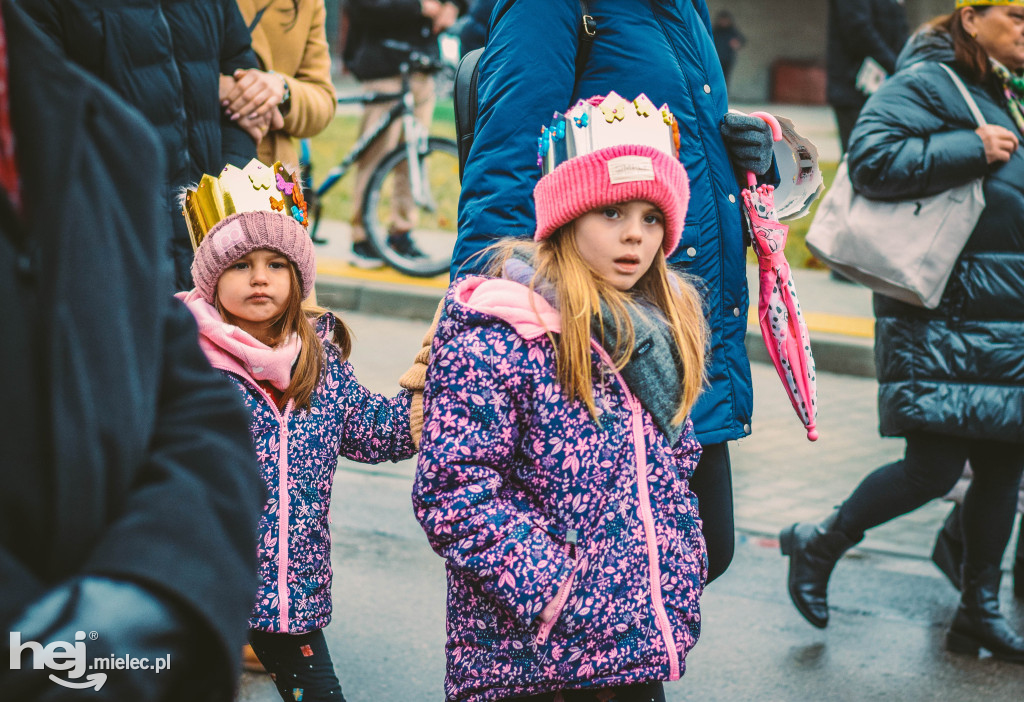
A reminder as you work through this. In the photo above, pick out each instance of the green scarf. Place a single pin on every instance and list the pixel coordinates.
(1013, 89)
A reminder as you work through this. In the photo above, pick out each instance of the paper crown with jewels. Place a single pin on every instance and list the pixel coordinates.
(255, 188)
(969, 3)
(601, 122)
(607, 150)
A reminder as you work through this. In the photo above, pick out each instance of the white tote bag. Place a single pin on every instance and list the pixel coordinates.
(906, 249)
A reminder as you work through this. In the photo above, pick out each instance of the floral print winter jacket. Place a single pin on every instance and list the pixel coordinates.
(298, 453)
(530, 500)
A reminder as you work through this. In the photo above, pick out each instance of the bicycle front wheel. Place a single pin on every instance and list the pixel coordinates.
(412, 216)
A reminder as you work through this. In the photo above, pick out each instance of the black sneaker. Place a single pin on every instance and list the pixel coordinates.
(404, 246)
(363, 255)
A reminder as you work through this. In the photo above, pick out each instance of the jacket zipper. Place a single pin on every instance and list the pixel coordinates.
(564, 589)
(283, 500)
(647, 517)
(283, 507)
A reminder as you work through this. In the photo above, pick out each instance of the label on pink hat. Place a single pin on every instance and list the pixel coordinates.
(627, 169)
(228, 236)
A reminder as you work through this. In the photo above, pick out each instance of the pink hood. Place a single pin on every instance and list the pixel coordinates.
(528, 313)
(232, 349)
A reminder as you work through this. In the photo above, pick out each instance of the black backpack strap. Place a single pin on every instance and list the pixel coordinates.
(468, 73)
(588, 30)
(259, 16)
(466, 76)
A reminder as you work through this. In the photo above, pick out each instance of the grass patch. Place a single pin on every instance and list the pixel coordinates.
(331, 146)
(797, 253)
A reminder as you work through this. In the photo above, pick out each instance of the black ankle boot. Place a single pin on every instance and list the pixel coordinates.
(948, 553)
(979, 623)
(813, 551)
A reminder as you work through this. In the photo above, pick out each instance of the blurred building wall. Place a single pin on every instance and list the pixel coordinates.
(790, 34)
(787, 34)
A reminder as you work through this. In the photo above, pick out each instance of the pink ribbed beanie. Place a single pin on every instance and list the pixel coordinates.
(611, 175)
(239, 234)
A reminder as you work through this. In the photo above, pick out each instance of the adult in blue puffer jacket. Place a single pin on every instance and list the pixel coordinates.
(665, 50)
(951, 380)
(165, 59)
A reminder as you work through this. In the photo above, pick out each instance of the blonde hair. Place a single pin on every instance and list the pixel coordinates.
(300, 318)
(579, 292)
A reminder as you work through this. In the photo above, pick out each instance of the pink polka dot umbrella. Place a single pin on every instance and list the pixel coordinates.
(778, 309)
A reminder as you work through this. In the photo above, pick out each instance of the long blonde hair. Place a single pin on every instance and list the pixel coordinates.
(579, 292)
(299, 318)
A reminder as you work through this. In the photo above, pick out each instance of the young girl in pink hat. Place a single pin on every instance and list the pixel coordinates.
(252, 271)
(557, 446)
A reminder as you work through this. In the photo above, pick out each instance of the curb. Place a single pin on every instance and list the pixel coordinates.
(833, 352)
(371, 297)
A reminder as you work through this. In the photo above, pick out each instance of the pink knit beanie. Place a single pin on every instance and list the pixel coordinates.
(611, 175)
(239, 234)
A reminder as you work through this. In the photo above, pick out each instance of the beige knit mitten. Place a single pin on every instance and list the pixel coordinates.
(416, 377)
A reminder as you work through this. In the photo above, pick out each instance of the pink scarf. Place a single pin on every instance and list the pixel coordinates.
(262, 362)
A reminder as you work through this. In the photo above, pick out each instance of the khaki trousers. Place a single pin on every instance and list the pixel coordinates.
(403, 210)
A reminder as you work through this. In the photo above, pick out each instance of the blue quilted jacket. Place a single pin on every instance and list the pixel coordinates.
(662, 48)
(531, 501)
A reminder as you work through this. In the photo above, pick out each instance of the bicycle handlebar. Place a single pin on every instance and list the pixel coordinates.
(416, 60)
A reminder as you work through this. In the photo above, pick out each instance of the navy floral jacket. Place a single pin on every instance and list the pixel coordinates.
(298, 453)
(532, 501)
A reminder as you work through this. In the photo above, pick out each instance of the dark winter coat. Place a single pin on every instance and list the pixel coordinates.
(663, 49)
(858, 29)
(164, 57)
(122, 453)
(372, 22)
(531, 501)
(473, 33)
(959, 369)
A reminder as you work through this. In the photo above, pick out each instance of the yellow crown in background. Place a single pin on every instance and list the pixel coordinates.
(257, 187)
(968, 3)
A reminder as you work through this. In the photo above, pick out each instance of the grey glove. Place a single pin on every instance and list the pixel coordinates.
(127, 619)
(748, 141)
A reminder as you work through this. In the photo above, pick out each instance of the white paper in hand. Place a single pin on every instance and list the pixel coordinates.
(870, 76)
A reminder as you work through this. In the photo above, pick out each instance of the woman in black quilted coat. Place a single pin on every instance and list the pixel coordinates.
(951, 380)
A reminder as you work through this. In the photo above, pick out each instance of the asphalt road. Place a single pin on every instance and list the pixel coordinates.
(884, 641)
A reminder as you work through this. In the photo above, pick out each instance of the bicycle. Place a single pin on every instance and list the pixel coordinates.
(422, 166)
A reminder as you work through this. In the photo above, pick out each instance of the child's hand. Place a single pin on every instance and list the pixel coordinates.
(255, 93)
(415, 379)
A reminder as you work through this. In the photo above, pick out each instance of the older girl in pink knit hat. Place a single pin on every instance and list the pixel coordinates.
(557, 447)
(252, 271)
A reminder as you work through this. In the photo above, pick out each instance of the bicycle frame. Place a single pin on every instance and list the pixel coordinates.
(363, 144)
(415, 137)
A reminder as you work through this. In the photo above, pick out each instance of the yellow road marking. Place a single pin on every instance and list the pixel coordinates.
(343, 269)
(820, 322)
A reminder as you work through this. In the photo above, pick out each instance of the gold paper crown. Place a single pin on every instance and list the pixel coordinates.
(255, 188)
(968, 3)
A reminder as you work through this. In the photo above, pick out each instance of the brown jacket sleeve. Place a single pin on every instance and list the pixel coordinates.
(295, 46)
